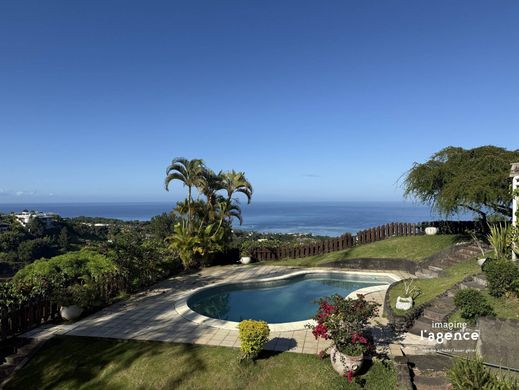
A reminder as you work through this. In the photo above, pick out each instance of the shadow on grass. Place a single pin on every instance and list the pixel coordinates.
(74, 362)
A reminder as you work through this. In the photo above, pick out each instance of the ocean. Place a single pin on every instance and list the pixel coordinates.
(319, 218)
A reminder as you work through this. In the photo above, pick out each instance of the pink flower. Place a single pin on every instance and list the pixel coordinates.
(320, 331)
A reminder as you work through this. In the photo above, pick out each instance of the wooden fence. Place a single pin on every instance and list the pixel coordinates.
(339, 243)
(17, 319)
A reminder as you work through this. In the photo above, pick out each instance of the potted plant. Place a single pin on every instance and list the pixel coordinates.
(431, 230)
(245, 253)
(343, 321)
(73, 300)
(410, 292)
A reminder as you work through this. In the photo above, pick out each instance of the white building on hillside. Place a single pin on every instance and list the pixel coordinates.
(25, 217)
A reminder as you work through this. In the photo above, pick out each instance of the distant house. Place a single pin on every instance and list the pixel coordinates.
(4, 227)
(47, 219)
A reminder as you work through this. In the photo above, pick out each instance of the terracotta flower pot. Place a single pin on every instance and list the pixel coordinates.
(343, 363)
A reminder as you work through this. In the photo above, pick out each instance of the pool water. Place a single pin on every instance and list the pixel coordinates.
(285, 300)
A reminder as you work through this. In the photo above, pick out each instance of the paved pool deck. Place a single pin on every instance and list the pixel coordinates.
(153, 315)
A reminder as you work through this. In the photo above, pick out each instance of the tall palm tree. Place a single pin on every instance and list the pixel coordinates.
(189, 172)
(210, 184)
(234, 182)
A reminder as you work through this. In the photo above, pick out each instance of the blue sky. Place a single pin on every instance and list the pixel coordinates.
(313, 100)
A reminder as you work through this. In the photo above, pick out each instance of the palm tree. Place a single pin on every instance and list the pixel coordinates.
(189, 172)
(210, 184)
(233, 182)
(229, 210)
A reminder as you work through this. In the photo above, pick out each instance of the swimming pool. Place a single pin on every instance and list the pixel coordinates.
(283, 300)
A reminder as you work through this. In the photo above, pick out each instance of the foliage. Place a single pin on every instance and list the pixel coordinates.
(141, 261)
(472, 304)
(499, 239)
(456, 178)
(35, 249)
(343, 321)
(410, 288)
(205, 224)
(9, 295)
(55, 276)
(502, 276)
(64, 238)
(163, 225)
(196, 248)
(471, 374)
(253, 337)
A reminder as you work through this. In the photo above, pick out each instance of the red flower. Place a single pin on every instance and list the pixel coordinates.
(357, 337)
(320, 331)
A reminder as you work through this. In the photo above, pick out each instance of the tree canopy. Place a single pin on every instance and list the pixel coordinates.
(456, 179)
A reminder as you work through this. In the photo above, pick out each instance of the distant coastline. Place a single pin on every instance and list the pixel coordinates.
(319, 218)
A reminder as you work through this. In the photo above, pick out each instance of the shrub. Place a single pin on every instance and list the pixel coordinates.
(60, 276)
(499, 239)
(471, 374)
(253, 337)
(472, 304)
(501, 275)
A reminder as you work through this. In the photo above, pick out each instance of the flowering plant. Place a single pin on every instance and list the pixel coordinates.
(343, 321)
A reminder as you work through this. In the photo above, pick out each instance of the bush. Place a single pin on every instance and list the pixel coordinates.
(471, 374)
(501, 275)
(253, 337)
(35, 249)
(472, 304)
(60, 276)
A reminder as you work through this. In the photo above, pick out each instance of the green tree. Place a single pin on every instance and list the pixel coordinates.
(190, 173)
(235, 182)
(472, 179)
(64, 238)
(162, 225)
(34, 249)
(36, 227)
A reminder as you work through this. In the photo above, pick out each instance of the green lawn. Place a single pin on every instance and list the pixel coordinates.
(431, 288)
(87, 363)
(504, 307)
(411, 247)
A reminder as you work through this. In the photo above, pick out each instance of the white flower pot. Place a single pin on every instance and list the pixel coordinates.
(431, 231)
(404, 303)
(245, 260)
(482, 261)
(71, 312)
(343, 363)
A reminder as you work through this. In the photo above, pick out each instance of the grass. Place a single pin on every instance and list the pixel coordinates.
(87, 363)
(431, 288)
(504, 307)
(412, 248)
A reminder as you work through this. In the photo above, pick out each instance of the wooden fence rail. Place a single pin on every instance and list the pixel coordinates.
(17, 319)
(339, 243)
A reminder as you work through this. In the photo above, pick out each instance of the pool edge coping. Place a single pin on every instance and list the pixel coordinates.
(184, 311)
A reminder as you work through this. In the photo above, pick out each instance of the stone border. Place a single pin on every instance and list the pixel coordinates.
(185, 311)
